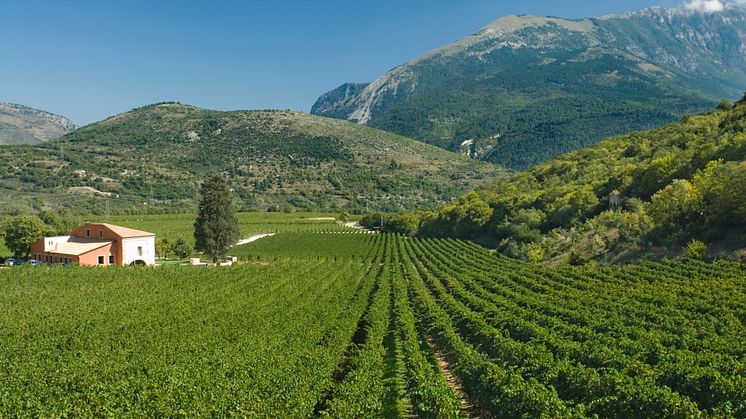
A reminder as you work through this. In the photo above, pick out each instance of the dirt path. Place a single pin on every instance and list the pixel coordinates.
(356, 225)
(254, 238)
(467, 408)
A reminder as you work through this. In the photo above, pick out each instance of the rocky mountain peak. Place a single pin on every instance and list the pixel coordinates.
(24, 125)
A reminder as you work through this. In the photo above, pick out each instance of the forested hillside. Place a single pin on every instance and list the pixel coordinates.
(524, 89)
(641, 195)
(153, 158)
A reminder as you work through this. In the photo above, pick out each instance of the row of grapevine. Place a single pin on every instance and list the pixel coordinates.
(599, 338)
(249, 341)
(375, 325)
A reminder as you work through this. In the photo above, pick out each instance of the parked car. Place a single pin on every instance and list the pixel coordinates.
(13, 262)
(34, 262)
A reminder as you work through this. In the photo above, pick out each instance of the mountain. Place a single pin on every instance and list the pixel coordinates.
(23, 125)
(155, 156)
(524, 89)
(642, 195)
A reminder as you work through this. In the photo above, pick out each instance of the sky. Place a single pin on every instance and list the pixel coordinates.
(88, 60)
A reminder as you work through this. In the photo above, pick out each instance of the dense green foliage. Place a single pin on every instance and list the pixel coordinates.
(216, 227)
(152, 159)
(537, 119)
(181, 249)
(397, 327)
(623, 197)
(525, 89)
(20, 232)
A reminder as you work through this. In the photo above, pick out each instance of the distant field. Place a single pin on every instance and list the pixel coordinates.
(173, 226)
(374, 325)
(308, 245)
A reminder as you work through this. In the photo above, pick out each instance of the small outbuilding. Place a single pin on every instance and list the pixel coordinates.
(98, 244)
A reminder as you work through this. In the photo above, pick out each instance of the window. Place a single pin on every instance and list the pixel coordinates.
(88, 232)
(101, 234)
(139, 250)
(111, 259)
(100, 260)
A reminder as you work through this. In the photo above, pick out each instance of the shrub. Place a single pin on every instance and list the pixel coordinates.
(695, 250)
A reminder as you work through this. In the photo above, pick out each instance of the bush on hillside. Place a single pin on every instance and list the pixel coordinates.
(696, 250)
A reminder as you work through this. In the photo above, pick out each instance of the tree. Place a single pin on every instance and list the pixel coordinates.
(181, 249)
(695, 250)
(163, 247)
(21, 232)
(725, 105)
(216, 227)
(405, 223)
(57, 224)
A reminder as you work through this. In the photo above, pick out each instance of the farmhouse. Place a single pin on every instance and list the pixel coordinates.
(94, 244)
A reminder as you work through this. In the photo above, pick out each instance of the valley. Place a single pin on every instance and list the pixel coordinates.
(543, 219)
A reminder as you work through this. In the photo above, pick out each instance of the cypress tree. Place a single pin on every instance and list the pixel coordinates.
(216, 227)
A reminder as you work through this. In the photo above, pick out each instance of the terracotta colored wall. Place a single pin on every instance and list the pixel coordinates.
(80, 232)
(116, 249)
(91, 258)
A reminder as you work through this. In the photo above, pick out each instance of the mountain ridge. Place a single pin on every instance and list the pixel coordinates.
(153, 157)
(648, 67)
(21, 124)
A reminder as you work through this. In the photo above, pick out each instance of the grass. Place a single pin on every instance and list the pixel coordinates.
(309, 245)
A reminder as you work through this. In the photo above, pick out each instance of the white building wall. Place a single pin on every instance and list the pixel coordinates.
(131, 252)
(50, 243)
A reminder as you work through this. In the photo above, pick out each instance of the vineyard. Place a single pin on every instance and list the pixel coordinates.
(369, 325)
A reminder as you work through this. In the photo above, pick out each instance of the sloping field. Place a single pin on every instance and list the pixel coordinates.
(380, 326)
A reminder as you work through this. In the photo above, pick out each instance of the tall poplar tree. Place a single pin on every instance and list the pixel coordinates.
(216, 227)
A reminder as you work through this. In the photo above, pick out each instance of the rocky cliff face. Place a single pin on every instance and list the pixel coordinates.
(549, 85)
(23, 125)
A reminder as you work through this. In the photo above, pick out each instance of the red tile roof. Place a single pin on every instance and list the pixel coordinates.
(125, 232)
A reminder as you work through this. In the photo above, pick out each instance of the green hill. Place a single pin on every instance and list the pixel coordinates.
(154, 157)
(643, 195)
(524, 89)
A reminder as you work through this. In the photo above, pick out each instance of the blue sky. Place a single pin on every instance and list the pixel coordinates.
(91, 59)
